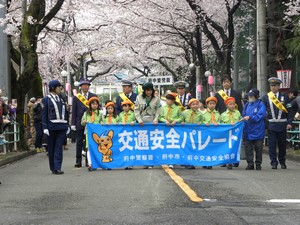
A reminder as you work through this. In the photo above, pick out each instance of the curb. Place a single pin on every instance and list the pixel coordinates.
(17, 157)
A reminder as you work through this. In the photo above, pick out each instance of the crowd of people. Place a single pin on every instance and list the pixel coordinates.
(271, 114)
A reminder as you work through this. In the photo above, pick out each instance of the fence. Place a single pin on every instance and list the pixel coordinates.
(12, 136)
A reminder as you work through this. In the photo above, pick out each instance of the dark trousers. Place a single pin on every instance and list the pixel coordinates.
(55, 148)
(258, 146)
(274, 138)
(38, 135)
(79, 145)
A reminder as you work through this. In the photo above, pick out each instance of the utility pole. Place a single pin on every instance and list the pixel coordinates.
(4, 56)
(261, 38)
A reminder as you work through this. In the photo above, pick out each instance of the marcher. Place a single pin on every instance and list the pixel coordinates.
(202, 108)
(126, 95)
(171, 113)
(193, 114)
(111, 116)
(279, 119)
(55, 125)
(226, 92)
(94, 116)
(37, 117)
(211, 116)
(230, 116)
(127, 115)
(182, 98)
(254, 114)
(79, 106)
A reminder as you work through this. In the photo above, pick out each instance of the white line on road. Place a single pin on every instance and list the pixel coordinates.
(285, 200)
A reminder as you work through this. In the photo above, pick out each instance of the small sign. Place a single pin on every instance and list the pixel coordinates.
(161, 80)
(285, 76)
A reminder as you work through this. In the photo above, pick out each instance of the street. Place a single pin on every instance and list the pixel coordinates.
(30, 194)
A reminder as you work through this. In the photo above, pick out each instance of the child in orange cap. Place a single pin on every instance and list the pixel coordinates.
(111, 116)
(127, 115)
(211, 115)
(230, 116)
(192, 115)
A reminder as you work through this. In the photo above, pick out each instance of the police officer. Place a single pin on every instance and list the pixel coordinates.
(183, 97)
(279, 119)
(55, 118)
(79, 106)
(127, 94)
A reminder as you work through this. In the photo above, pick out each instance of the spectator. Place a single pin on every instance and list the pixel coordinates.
(37, 117)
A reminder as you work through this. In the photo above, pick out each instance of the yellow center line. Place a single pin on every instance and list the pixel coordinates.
(180, 182)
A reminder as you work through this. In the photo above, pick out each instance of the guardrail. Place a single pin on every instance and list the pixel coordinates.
(15, 133)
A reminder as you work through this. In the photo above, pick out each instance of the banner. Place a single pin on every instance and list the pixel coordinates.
(118, 146)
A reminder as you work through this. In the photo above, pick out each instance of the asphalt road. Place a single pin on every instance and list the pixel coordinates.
(30, 194)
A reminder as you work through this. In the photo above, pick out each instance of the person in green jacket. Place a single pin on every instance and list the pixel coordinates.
(230, 116)
(92, 115)
(211, 115)
(193, 114)
(127, 115)
(111, 116)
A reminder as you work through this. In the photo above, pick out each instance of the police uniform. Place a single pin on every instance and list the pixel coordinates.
(55, 118)
(78, 109)
(131, 96)
(184, 99)
(277, 121)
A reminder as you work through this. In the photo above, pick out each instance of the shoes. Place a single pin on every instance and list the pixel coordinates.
(190, 167)
(83, 153)
(148, 167)
(209, 167)
(236, 164)
(90, 168)
(283, 166)
(128, 168)
(229, 166)
(258, 167)
(274, 167)
(204, 167)
(78, 165)
(223, 165)
(249, 167)
(171, 166)
(57, 172)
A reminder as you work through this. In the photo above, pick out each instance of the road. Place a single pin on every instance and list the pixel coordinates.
(30, 194)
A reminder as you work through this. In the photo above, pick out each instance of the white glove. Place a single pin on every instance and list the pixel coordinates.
(73, 127)
(46, 131)
(68, 131)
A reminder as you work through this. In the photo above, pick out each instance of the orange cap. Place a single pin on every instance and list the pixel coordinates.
(172, 94)
(212, 98)
(94, 98)
(110, 104)
(126, 102)
(229, 99)
(193, 100)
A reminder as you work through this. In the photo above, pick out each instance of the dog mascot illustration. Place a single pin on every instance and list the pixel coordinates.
(105, 143)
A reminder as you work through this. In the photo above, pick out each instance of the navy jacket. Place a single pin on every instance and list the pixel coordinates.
(119, 100)
(49, 114)
(78, 110)
(254, 127)
(278, 126)
(221, 107)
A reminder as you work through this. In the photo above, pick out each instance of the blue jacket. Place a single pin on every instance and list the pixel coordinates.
(255, 127)
(49, 114)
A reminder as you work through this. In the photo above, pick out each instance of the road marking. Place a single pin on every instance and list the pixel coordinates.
(285, 200)
(180, 182)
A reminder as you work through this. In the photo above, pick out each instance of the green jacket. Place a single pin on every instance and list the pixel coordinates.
(227, 118)
(207, 116)
(115, 120)
(131, 117)
(174, 115)
(195, 119)
(143, 110)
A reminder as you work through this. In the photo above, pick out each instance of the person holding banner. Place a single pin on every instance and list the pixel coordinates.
(55, 118)
(92, 115)
(171, 113)
(230, 116)
(126, 95)
(127, 115)
(279, 119)
(79, 106)
(147, 106)
(111, 116)
(254, 114)
(211, 116)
